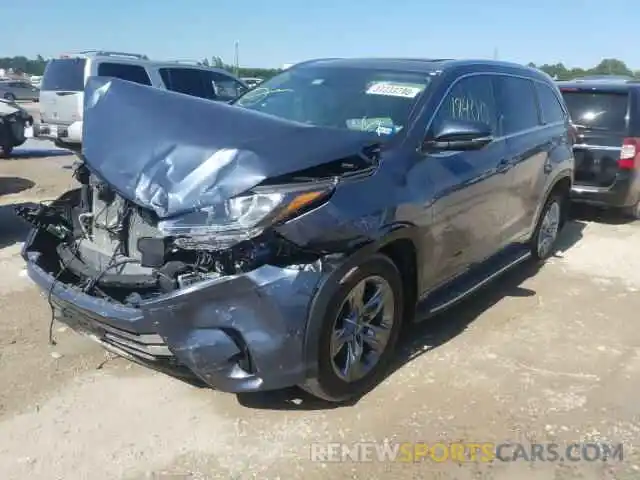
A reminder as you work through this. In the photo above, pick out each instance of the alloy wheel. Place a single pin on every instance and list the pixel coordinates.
(362, 328)
(549, 230)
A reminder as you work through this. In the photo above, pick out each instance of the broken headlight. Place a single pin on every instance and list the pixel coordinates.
(242, 217)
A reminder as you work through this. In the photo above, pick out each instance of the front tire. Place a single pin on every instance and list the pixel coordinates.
(359, 331)
(548, 228)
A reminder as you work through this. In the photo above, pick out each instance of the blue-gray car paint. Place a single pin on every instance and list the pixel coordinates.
(278, 310)
(174, 153)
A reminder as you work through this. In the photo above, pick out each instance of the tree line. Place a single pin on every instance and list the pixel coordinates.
(608, 66)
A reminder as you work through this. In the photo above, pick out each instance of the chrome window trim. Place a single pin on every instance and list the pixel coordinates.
(475, 74)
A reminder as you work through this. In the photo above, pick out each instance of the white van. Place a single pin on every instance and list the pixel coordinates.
(62, 89)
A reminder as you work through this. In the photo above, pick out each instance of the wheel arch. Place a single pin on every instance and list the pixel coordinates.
(400, 244)
(561, 183)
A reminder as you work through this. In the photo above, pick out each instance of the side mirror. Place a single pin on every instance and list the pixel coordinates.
(458, 135)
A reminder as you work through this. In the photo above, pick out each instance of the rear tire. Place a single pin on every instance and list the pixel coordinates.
(10, 97)
(549, 225)
(348, 365)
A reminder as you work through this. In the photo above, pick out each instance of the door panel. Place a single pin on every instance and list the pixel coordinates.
(469, 186)
(528, 154)
(25, 91)
(527, 147)
(468, 210)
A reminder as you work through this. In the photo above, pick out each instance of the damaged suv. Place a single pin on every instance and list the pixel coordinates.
(285, 239)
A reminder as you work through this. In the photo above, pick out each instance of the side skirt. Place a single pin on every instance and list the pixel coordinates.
(471, 281)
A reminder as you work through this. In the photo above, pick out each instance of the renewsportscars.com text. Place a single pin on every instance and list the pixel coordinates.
(409, 452)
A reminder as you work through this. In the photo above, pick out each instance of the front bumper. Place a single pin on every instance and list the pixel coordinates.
(64, 133)
(237, 334)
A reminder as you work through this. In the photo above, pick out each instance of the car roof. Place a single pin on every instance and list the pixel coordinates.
(143, 60)
(598, 84)
(414, 64)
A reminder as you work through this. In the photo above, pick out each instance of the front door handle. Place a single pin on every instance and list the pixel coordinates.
(503, 165)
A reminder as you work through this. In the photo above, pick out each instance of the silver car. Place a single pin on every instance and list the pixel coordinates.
(13, 90)
(62, 99)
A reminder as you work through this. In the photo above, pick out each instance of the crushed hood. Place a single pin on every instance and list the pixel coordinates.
(175, 153)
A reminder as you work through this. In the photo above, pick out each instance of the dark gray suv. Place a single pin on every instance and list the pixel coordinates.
(286, 238)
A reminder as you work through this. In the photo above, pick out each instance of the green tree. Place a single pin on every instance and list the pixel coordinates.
(22, 64)
(612, 66)
(608, 66)
(217, 62)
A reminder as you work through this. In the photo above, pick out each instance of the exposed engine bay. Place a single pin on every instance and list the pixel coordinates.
(205, 192)
(108, 247)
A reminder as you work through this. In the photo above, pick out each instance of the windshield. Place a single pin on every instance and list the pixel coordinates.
(377, 101)
(64, 75)
(598, 111)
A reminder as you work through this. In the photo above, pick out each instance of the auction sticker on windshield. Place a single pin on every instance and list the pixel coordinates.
(394, 89)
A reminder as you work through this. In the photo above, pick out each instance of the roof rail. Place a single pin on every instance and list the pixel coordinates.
(312, 60)
(603, 78)
(107, 53)
(187, 62)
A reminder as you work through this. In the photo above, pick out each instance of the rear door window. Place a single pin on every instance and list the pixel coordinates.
(189, 81)
(598, 111)
(64, 75)
(518, 105)
(124, 71)
(552, 111)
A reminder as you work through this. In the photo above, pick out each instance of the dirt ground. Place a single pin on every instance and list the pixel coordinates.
(541, 356)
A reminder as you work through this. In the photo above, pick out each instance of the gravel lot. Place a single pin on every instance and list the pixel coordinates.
(542, 356)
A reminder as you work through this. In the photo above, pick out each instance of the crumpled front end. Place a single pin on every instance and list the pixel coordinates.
(173, 153)
(184, 247)
(237, 333)
(244, 333)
